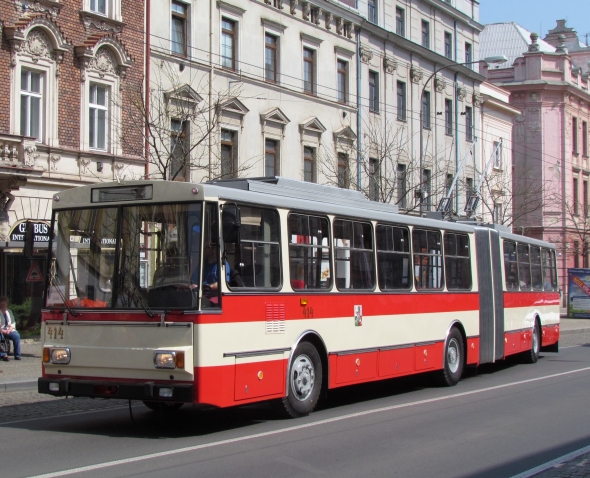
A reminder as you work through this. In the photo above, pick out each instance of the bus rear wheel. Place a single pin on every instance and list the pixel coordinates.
(533, 355)
(162, 406)
(454, 359)
(304, 381)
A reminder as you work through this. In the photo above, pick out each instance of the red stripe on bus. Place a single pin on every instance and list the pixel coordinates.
(530, 299)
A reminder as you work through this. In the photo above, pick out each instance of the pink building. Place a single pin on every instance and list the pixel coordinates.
(548, 81)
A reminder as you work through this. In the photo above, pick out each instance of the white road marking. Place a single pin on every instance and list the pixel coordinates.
(2, 424)
(150, 456)
(552, 463)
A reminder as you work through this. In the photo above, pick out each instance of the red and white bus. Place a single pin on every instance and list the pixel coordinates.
(233, 292)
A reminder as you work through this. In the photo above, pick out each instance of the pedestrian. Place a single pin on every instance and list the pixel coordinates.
(9, 329)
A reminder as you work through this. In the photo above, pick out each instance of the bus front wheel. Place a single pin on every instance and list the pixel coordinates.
(305, 381)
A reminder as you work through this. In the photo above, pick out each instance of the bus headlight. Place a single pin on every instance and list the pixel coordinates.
(169, 360)
(61, 355)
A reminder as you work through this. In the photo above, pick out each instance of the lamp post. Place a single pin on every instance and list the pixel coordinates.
(490, 60)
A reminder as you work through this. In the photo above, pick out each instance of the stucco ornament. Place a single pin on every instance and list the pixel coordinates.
(366, 55)
(84, 162)
(26, 6)
(389, 64)
(461, 93)
(30, 155)
(534, 46)
(103, 62)
(534, 96)
(339, 26)
(477, 100)
(294, 6)
(54, 158)
(107, 27)
(38, 45)
(561, 45)
(329, 17)
(439, 84)
(416, 74)
(317, 16)
(305, 10)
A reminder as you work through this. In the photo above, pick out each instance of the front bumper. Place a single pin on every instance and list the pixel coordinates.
(123, 390)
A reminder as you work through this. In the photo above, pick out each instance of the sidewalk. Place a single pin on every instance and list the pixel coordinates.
(22, 375)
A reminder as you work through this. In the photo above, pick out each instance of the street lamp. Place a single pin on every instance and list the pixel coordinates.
(489, 60)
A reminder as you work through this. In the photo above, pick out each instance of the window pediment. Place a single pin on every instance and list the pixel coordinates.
(312, 125)
(183, 94)
(37, 38)
(274, 115)
(233, 105)
(103, 54)
(345, 133)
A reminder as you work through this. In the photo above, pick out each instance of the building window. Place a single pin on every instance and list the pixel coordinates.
(309, 164)
(178, 37)
(178, 158)
(373, 92)
(401, 101)
(497, 155)
(271, 44)
(228, 154)
(426, 109)
(271, 158)
(343, 171)
(98, 117)
(468, 189)
(402, 191)
(497, 213)
(576, 254)
(373, 179)
(585, 138)
(98, 6)
(468, 54)
(575, 197)
(575, 135)
(342, 71)
(228, 43)
(449, 117)
(400, 22)
(31, 103)
(309, 71)
(449, 45)
(469, 123)
(425, 34)
(426, 189)
(585, 197)
(448, 186)
(372, 5)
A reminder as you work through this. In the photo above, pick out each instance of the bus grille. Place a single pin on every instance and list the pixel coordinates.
(275, 318)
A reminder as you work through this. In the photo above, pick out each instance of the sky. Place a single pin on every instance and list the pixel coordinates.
(538, 15)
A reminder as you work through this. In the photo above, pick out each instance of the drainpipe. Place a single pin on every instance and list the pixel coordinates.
(358, 109)
(148, 53)
(210, 82)
(457, 139)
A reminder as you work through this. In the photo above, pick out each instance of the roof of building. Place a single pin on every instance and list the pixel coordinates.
(508, 39)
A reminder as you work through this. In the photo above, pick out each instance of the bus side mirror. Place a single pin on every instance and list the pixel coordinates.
(231, 223)
(29, 240)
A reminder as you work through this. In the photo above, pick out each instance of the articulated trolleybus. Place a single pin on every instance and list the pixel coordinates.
(233, 292)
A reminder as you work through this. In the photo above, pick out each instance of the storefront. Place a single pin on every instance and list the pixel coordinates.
(23, 278)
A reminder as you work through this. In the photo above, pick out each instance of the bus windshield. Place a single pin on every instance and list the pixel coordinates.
(133, 257)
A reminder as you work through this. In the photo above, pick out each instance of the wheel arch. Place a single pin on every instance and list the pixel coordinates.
(459, 326)
(317, 341)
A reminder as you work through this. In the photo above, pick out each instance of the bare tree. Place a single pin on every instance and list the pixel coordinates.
(180, 125)
(388, 170)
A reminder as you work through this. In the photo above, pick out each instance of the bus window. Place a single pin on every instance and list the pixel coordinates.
(536, 274)
(510, 265)
(83, 271)
(457, 261)
(547, 283)
(162, 240)
(259, 261)
(308, 263)
(524, 266)
(393, 257)
(353, 246)
(428, 268)
(554, 272)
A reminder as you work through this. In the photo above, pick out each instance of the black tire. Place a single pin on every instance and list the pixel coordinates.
(304, 381)
(163, 406)
(533, 355)
(454, 359)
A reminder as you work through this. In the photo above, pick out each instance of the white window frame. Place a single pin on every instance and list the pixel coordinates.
(96, 7)
(26, 95)
(187, 34)
(114, 113)
(112, 9)
(234, 17)
(49, 107)
(497, 155)
(93, 109)
(235, 147)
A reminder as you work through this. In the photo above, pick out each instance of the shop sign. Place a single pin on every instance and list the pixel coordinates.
(41, 230)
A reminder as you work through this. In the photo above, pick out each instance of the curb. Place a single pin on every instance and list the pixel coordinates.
(18, 386)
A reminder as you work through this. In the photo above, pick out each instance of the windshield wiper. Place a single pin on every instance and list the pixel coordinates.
(54, 282)
(133, 293)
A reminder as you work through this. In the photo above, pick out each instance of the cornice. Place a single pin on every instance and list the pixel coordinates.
(453, 12)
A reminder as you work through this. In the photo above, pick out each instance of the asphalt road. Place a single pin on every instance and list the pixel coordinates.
(499, 422)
